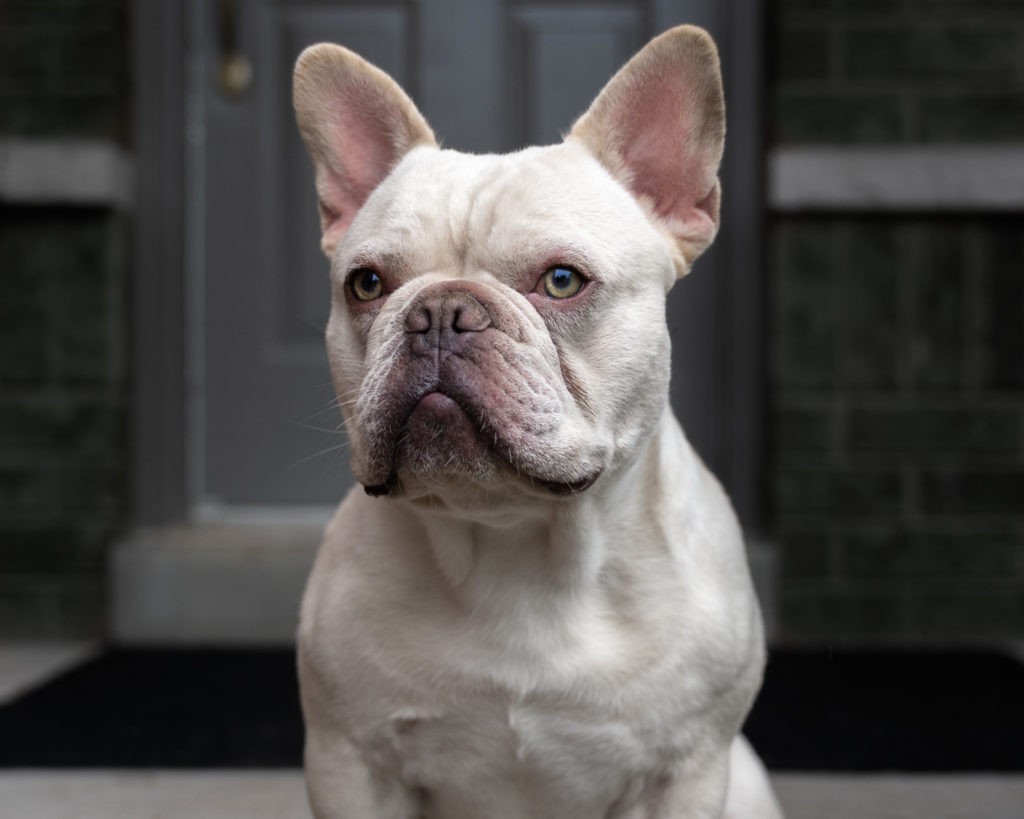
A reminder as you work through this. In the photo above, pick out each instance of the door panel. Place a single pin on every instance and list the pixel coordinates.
(267, 403)
(488, 75)
(561, 57)
(382, 36)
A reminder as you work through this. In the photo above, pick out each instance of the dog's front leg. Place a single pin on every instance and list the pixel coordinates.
(341, 786)
(682, 795)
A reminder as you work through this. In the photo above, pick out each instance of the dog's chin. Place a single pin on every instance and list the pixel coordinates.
(442, 441)
(443, 451)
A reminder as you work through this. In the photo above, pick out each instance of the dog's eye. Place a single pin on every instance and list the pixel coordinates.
(366, 284)
(561, 282)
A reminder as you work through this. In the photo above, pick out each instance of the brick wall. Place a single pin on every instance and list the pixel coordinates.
(63, 321)
(897, 340)
(63, 68)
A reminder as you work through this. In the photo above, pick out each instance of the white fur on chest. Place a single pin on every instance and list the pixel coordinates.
(550, 759)
(550, 615)
(522, 688)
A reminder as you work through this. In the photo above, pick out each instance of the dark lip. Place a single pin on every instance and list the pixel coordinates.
(381, 490)
(570, 487)
(556, 488)
(392, 484)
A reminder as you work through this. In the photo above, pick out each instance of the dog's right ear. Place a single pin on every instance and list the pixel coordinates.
(357, 124)
(658, 127)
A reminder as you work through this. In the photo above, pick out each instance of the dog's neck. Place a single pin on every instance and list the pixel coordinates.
(559, 546)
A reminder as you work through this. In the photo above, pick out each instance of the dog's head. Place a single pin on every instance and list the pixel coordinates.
(497, 323)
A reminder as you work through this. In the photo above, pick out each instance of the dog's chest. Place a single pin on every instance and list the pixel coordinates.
(553, 759)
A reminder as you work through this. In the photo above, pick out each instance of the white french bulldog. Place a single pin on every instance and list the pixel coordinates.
(550, 614)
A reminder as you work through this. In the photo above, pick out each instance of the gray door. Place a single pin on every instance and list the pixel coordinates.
(490, 75)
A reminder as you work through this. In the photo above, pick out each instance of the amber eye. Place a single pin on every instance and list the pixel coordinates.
(561, 282)
(366, 284)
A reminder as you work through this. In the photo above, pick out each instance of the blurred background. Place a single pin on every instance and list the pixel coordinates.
(849, 358)
(856, 378)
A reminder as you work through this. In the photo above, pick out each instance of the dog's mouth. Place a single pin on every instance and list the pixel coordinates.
(442, 435)
(556, 488)
(469, 395)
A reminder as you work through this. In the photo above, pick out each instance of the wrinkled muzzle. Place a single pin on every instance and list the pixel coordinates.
(465, 386)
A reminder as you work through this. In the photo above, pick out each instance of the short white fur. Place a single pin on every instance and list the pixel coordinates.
(476, 646)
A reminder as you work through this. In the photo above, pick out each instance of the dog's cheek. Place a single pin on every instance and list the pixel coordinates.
(570, 323)
(630, 359)
(346, 354)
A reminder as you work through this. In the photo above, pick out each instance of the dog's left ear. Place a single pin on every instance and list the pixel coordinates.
(658, 127)
(357, 125)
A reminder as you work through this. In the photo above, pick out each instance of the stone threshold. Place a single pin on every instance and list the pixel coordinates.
(214, 583)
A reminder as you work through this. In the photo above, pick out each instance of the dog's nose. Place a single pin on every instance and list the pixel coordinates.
(453, 311)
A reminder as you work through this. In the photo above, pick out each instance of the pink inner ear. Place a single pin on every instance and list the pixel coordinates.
(667, 163)
(674, 203)
(362, 152)
(357, 124)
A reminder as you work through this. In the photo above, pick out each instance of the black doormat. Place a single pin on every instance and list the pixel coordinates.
(890, 711)
(161, 709)
(818, 711)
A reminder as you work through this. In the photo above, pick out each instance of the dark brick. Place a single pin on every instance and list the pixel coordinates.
(30, 55)
(95, 52)
(63, 426)
(23, 351)
(85, 343)
(81, 609)
(990, 615)
(805, 556)
(921, 430)
(986, 118)
(25, 313)
(28, 610)
(41, 607)
(790, 10)
(973, 492)
(801, 54)
(64, 68)
(1006, 10)
(937, 340)
(57, 284)
(841, 617)
(63, 114)
(53, 551)
(61, 493)
(71, 276)
(1004, 344)
(824, 117)
(871, 271)
(802, 430)
(972, 55)
(826, 491)
(869, 7)
(85, 311)
(804, 317)
(94, 489)
(64, 13)
(937, 557)
(28, 489)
